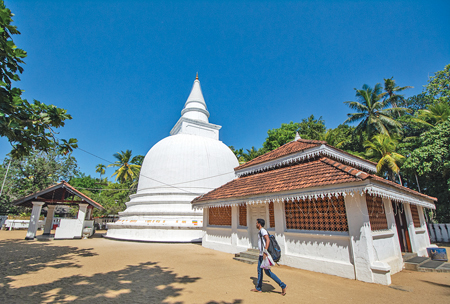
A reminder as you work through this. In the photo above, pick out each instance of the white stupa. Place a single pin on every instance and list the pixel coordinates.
(190, 162)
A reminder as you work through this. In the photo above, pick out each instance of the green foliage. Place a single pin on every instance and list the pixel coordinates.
(278, 137)
(431, 161)
(28, 126)
(128, 170)
(112, 196)
(391, 90)
(438, 86)
(34, 173)
(309, 128)
(374, 114)
(381, 149)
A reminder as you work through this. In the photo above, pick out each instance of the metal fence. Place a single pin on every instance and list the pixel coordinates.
(439, 233)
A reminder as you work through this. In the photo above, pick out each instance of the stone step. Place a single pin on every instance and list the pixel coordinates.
(415, 262)
(408, 255)
(434, 266)
(249, 255)
(246, 260)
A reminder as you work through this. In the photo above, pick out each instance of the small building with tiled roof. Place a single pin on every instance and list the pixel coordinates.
(328, 210)
(56, 195)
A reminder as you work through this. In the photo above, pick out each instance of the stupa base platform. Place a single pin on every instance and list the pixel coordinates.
(160, 234)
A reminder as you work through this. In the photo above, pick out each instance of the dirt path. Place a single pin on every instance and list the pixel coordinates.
(99, 270)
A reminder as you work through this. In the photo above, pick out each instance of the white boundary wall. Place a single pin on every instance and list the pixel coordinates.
(439, 232)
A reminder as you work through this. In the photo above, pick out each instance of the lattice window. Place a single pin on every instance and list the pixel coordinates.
(415, 216)
(243, 215)
(323, 214)
(220, 216)
(377, 215)
(271, 215)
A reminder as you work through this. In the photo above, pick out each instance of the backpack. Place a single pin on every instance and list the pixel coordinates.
(274, 249)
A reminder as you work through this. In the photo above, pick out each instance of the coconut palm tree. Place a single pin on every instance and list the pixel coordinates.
(373, 112)
(100, 169)
(390, 92)
(435, 113)
(127, 170)
(381, 149)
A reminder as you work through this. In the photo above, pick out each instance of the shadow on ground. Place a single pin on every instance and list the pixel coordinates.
(265, 287)
(142, 283)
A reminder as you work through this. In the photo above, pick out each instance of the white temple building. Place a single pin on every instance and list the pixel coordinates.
(190, 162)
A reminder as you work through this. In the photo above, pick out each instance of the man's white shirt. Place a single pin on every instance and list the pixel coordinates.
(262, 232)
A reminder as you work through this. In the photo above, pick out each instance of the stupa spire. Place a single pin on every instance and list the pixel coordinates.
(195, 106)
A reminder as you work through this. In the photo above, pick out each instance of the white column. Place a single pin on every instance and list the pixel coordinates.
(423, 224)
(411, 229)
(360, 236)
(49, 220)
(280, 226)
(80, 220)
(34, 220)
(390, 217)
(234, 225)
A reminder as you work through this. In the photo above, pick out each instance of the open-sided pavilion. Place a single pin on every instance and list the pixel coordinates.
(59, 194)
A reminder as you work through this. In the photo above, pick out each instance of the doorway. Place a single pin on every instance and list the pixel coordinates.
(402, 226)
(256, 212)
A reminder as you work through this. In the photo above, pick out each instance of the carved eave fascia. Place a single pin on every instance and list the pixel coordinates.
(324, 150)
(352, 189)
(180, 121)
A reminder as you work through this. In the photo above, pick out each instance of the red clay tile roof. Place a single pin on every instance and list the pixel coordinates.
(56, 191)
(291, 148)
(319, 172)
(286, 149)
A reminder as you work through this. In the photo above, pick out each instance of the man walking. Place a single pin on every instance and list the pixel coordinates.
(264, 237)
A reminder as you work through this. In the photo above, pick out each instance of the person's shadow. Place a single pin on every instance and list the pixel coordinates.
(265, 287)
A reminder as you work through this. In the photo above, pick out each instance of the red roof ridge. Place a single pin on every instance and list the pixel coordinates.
(347, 169)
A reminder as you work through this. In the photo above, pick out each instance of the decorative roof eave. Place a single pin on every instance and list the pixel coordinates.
(307, 154)
(352, 189)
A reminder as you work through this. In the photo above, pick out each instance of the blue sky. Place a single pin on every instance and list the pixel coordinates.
(123, 69)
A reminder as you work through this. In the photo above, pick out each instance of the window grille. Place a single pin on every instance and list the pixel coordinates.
(415, 216)
(220, 216)
(271, 215)
(322, 214)
(377, 214)
(243, 215)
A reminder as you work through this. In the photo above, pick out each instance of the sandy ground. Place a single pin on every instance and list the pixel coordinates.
(100, 270)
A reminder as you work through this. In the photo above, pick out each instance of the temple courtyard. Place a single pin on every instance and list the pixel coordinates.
(100, 270)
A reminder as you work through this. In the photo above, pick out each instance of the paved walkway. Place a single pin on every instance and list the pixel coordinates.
(99, 270)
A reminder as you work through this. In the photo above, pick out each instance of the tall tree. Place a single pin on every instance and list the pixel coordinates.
(391, 90)
(33, 173)
(127, 170)
(374, 114)
(27, 126)
(100, 169)
(438, 86)
(381, 149)
(431, 162)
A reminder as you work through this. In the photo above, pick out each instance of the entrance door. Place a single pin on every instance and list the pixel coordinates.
(256, 212)
(402, 226)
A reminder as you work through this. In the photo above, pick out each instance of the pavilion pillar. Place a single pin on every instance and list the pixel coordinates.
(34, 220)
(49, 220)
(80, 220)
